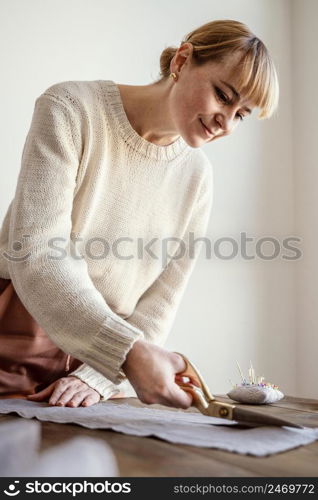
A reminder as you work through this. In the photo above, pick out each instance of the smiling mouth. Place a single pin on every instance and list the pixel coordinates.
(205, 127)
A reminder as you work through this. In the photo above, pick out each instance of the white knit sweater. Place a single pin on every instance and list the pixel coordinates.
(91, 195)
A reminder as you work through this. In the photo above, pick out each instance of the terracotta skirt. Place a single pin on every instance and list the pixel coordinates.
(29, 361)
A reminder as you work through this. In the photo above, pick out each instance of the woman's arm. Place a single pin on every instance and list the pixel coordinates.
(156, 309)
(59, 293)
(155, 312)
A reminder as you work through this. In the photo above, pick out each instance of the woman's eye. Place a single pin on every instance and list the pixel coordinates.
(223, 97)
(226, 100)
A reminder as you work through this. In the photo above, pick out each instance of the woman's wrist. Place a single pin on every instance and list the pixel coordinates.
(138, 347)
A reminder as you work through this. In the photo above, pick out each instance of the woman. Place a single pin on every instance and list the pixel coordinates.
(114, 165)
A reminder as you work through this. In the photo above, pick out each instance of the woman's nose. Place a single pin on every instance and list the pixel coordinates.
(225, 123)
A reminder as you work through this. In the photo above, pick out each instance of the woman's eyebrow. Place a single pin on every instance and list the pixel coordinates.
(237, 95)
(235, 92)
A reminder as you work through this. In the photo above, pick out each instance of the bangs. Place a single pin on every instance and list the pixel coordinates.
(258, 80)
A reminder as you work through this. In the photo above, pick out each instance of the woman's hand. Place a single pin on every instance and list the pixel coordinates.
(152, 371)
(67, 391)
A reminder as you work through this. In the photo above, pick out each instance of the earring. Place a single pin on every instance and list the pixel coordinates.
(173, 75)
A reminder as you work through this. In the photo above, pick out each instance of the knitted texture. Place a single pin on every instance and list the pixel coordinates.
(91, 195)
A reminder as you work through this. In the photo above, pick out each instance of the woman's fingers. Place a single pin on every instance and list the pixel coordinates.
(74, 394)
(61, 398)
(91, 399)
(183, 397)
(67, 391)
(77, 397)
(179, 363)
(61, 386)
(176, 397)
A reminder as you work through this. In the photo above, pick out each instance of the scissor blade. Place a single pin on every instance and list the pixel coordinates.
(243, 415)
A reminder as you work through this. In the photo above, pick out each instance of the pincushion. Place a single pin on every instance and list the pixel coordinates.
(255, 394)
(256, 391)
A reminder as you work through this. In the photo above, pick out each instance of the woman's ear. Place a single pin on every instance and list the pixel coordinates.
(181, 57)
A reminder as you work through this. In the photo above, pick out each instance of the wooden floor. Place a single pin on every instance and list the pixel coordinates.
(147, 456)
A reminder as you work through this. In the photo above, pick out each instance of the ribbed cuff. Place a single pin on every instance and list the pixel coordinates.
(102, 385)
(109, 348)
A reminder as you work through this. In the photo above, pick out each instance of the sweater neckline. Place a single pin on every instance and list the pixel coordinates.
(146, 148)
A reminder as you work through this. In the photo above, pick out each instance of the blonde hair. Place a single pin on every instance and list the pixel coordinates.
(216, 40)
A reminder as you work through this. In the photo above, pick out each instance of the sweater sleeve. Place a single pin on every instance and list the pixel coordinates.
(58, 291)
(95, 380)
(156, 309)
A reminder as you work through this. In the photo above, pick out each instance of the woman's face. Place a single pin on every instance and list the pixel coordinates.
(204, 97)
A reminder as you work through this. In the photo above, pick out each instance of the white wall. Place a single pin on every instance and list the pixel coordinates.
(305, 134)
(234, 309)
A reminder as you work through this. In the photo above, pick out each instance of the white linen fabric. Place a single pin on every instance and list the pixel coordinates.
(178, 426)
